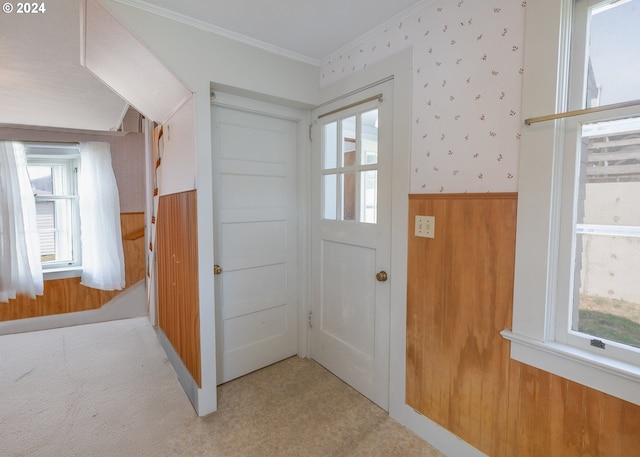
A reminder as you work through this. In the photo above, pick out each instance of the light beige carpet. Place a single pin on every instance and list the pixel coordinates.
(107, 389)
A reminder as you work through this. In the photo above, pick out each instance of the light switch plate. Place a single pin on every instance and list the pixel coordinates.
(425, 226)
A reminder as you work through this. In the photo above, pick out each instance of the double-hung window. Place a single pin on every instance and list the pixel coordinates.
(577, 285)
(53, 171)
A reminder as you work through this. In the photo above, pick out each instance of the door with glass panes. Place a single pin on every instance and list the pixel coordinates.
(349, 320)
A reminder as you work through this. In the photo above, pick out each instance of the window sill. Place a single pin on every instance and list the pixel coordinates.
(62, 273)
(618, 379)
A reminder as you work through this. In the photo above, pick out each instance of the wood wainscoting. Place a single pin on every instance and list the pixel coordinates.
(177, 263)
(459, 373)
(68, 295)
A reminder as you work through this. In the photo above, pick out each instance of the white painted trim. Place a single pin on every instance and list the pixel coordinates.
(607, 375)
(438, 436)
(197, 23)
(207, 398)
(203, 25)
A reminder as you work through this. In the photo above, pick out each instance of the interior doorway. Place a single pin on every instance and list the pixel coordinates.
(256, 231)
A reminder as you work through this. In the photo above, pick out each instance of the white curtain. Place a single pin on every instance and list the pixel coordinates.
(101, 235)
(20, 264)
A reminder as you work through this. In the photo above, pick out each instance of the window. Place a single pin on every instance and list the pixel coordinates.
(577, 296)
(53, 173)
(350, 161)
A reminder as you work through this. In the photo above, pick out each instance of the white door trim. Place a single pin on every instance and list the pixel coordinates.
(302, 120)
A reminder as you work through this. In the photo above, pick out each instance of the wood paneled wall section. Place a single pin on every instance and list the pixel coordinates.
(177, 260)
(459, 373)
(67, 295)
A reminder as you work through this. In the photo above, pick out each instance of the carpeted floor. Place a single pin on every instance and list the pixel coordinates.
(108, 390)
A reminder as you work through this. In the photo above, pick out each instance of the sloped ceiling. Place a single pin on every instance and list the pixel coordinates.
(41, 80)
(43, 84)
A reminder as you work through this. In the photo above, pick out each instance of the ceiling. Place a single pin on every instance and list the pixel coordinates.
(43, 84)
(310, 30)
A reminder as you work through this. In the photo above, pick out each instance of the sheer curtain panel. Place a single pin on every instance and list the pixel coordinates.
(20, 263)
(101, 234)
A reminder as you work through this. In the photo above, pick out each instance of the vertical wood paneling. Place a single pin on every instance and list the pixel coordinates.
(460, 287)
(68, 296)
(177, 260)
(630, 429)
(459, 373)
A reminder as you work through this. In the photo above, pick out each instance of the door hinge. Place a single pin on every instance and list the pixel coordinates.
(309, 317)
(310, 127)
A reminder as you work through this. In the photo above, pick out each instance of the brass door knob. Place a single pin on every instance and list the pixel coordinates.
(217, 269)
(382, 276)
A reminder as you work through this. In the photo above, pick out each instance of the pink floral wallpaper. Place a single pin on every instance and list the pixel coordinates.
(468, 67)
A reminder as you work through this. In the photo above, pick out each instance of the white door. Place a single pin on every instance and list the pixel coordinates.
(254, 161)
(351, 230)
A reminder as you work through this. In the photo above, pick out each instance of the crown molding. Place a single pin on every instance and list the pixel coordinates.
(203, 25)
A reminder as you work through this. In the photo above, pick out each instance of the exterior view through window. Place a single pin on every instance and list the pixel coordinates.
(349, 168)
(606, 232)
(53, 174)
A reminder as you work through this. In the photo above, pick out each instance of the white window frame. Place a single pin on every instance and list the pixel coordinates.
(542, 247)
(68, 156)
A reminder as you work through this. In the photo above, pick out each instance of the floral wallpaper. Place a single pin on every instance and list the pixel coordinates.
(468, 67)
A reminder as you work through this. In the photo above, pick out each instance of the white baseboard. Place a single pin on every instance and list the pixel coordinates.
(442, 439)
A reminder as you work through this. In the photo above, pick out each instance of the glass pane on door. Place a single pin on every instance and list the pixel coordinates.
(349, 168)
(329, 184)
(348, 196)
(330, 152)
(369, 138)
(369, 197)
(348, 141)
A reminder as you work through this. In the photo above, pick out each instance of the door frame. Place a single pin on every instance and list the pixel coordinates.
(399, 67)
(301, 117)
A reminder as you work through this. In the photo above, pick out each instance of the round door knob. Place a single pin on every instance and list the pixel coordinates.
(217, 269)
(381, 276)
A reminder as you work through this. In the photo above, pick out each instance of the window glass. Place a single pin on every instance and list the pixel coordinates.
(348, 141)
(329, 183)
(369, 196)
(369, 135)
(606, 297)
(612, 63)
(54, 183)
(577, 211)
(330, 145)
(350, 176)
(348, 190)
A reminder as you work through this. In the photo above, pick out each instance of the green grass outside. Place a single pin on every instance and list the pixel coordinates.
(610, 327)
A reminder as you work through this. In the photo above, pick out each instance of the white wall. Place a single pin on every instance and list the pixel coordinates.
(178, 170)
